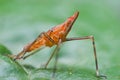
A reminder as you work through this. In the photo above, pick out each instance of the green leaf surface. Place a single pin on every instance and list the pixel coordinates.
(9, 69)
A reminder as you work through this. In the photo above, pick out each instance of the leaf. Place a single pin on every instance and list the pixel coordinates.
(4, 50)
(64, 74)
(10, 69)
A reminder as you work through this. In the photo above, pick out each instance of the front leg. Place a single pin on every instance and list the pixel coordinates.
(22, 53)
(26, 48)
(19, 56)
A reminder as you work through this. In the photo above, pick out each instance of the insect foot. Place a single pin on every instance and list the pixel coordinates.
(17, 57)
(102, 76)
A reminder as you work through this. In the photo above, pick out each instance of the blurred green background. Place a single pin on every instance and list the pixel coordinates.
(21, 21)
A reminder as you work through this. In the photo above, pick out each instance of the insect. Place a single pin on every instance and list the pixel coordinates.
(56, 36)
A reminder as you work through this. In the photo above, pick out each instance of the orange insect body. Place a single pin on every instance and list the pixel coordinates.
(55, 36)
(52, 37)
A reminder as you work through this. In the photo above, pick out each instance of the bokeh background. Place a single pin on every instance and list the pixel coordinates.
(21, 21)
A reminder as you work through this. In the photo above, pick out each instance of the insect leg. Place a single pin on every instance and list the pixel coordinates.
(51, 56)
(20, 55)
(32, 53)
(46, 35)
(94, 49)
(56, 58)
(23, 52)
